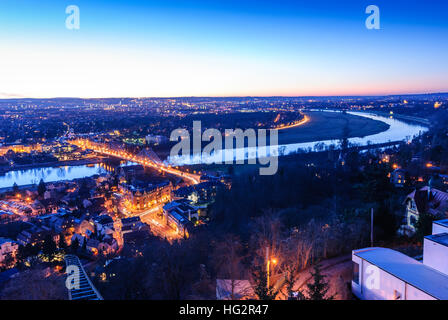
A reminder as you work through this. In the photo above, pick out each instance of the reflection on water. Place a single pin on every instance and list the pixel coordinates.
(49, 174)
(398, 131)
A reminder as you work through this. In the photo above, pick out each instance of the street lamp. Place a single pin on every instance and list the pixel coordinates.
(268, 265)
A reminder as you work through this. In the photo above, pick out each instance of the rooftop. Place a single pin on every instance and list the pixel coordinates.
(179, 217)
(443, 222)
(171, 205)
(441, 238)
(5, 240)
(438, 195)
(408, 270)
(130, 220)
(429, 199)
(104, 219)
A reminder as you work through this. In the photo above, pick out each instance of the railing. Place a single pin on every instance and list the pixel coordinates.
(84, 290)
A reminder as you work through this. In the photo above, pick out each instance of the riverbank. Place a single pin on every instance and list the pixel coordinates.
(398, 131)
(320, 126)
(54, 164)
(51, 174)
(403, 117)
(291, 158)
(324, 125)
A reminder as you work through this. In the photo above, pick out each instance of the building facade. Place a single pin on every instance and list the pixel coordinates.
(138, 199)
(386, 274)
(427, 199)
(8, 250)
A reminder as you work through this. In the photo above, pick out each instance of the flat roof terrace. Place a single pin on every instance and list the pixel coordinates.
(408, 270)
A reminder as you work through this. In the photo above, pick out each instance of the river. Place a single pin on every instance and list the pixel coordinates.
(398, 131)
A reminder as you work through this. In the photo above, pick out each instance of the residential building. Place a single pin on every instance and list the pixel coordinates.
(130, 224)
(8, 247)
(154, 139)
(386, 274)
(178, 215)
(398, 178)
(141, 198)
(93, 246)
(59, 222)
(435, 247)
(440, 226)
(134, 230)
(427, 199)
(201, 193)
(16, 208)
(103, 222)
(36, 235)
(444, 179)
(8, 216)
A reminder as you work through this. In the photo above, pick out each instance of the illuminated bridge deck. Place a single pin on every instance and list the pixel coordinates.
(86, 290)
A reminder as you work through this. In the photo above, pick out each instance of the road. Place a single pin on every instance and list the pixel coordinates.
(150, 216)
(297, 124)
(158, 227)
(87, 144)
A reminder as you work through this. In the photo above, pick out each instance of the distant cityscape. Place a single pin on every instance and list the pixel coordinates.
(223, 159)
(128, 204)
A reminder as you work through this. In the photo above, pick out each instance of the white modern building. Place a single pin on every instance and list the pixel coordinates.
(386, 274)
(435, 247)
(440, 226)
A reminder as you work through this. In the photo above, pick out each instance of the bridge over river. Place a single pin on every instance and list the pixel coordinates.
(145, 158)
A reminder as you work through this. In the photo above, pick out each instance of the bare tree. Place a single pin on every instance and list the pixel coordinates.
(228, 259)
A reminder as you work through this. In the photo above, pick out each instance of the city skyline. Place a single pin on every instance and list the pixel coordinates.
(190, 151)
(184, 49)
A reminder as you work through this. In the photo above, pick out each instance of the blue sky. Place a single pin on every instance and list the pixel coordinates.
(221, 48)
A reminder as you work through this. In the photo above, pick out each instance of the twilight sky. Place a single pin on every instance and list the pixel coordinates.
(222, 48)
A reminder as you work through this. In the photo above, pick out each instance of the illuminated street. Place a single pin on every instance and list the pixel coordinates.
(158, 227)
(87, 144)
(305, 120)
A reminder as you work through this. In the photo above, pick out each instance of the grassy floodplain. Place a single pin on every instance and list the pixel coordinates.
(331, 125)
(322, 126)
